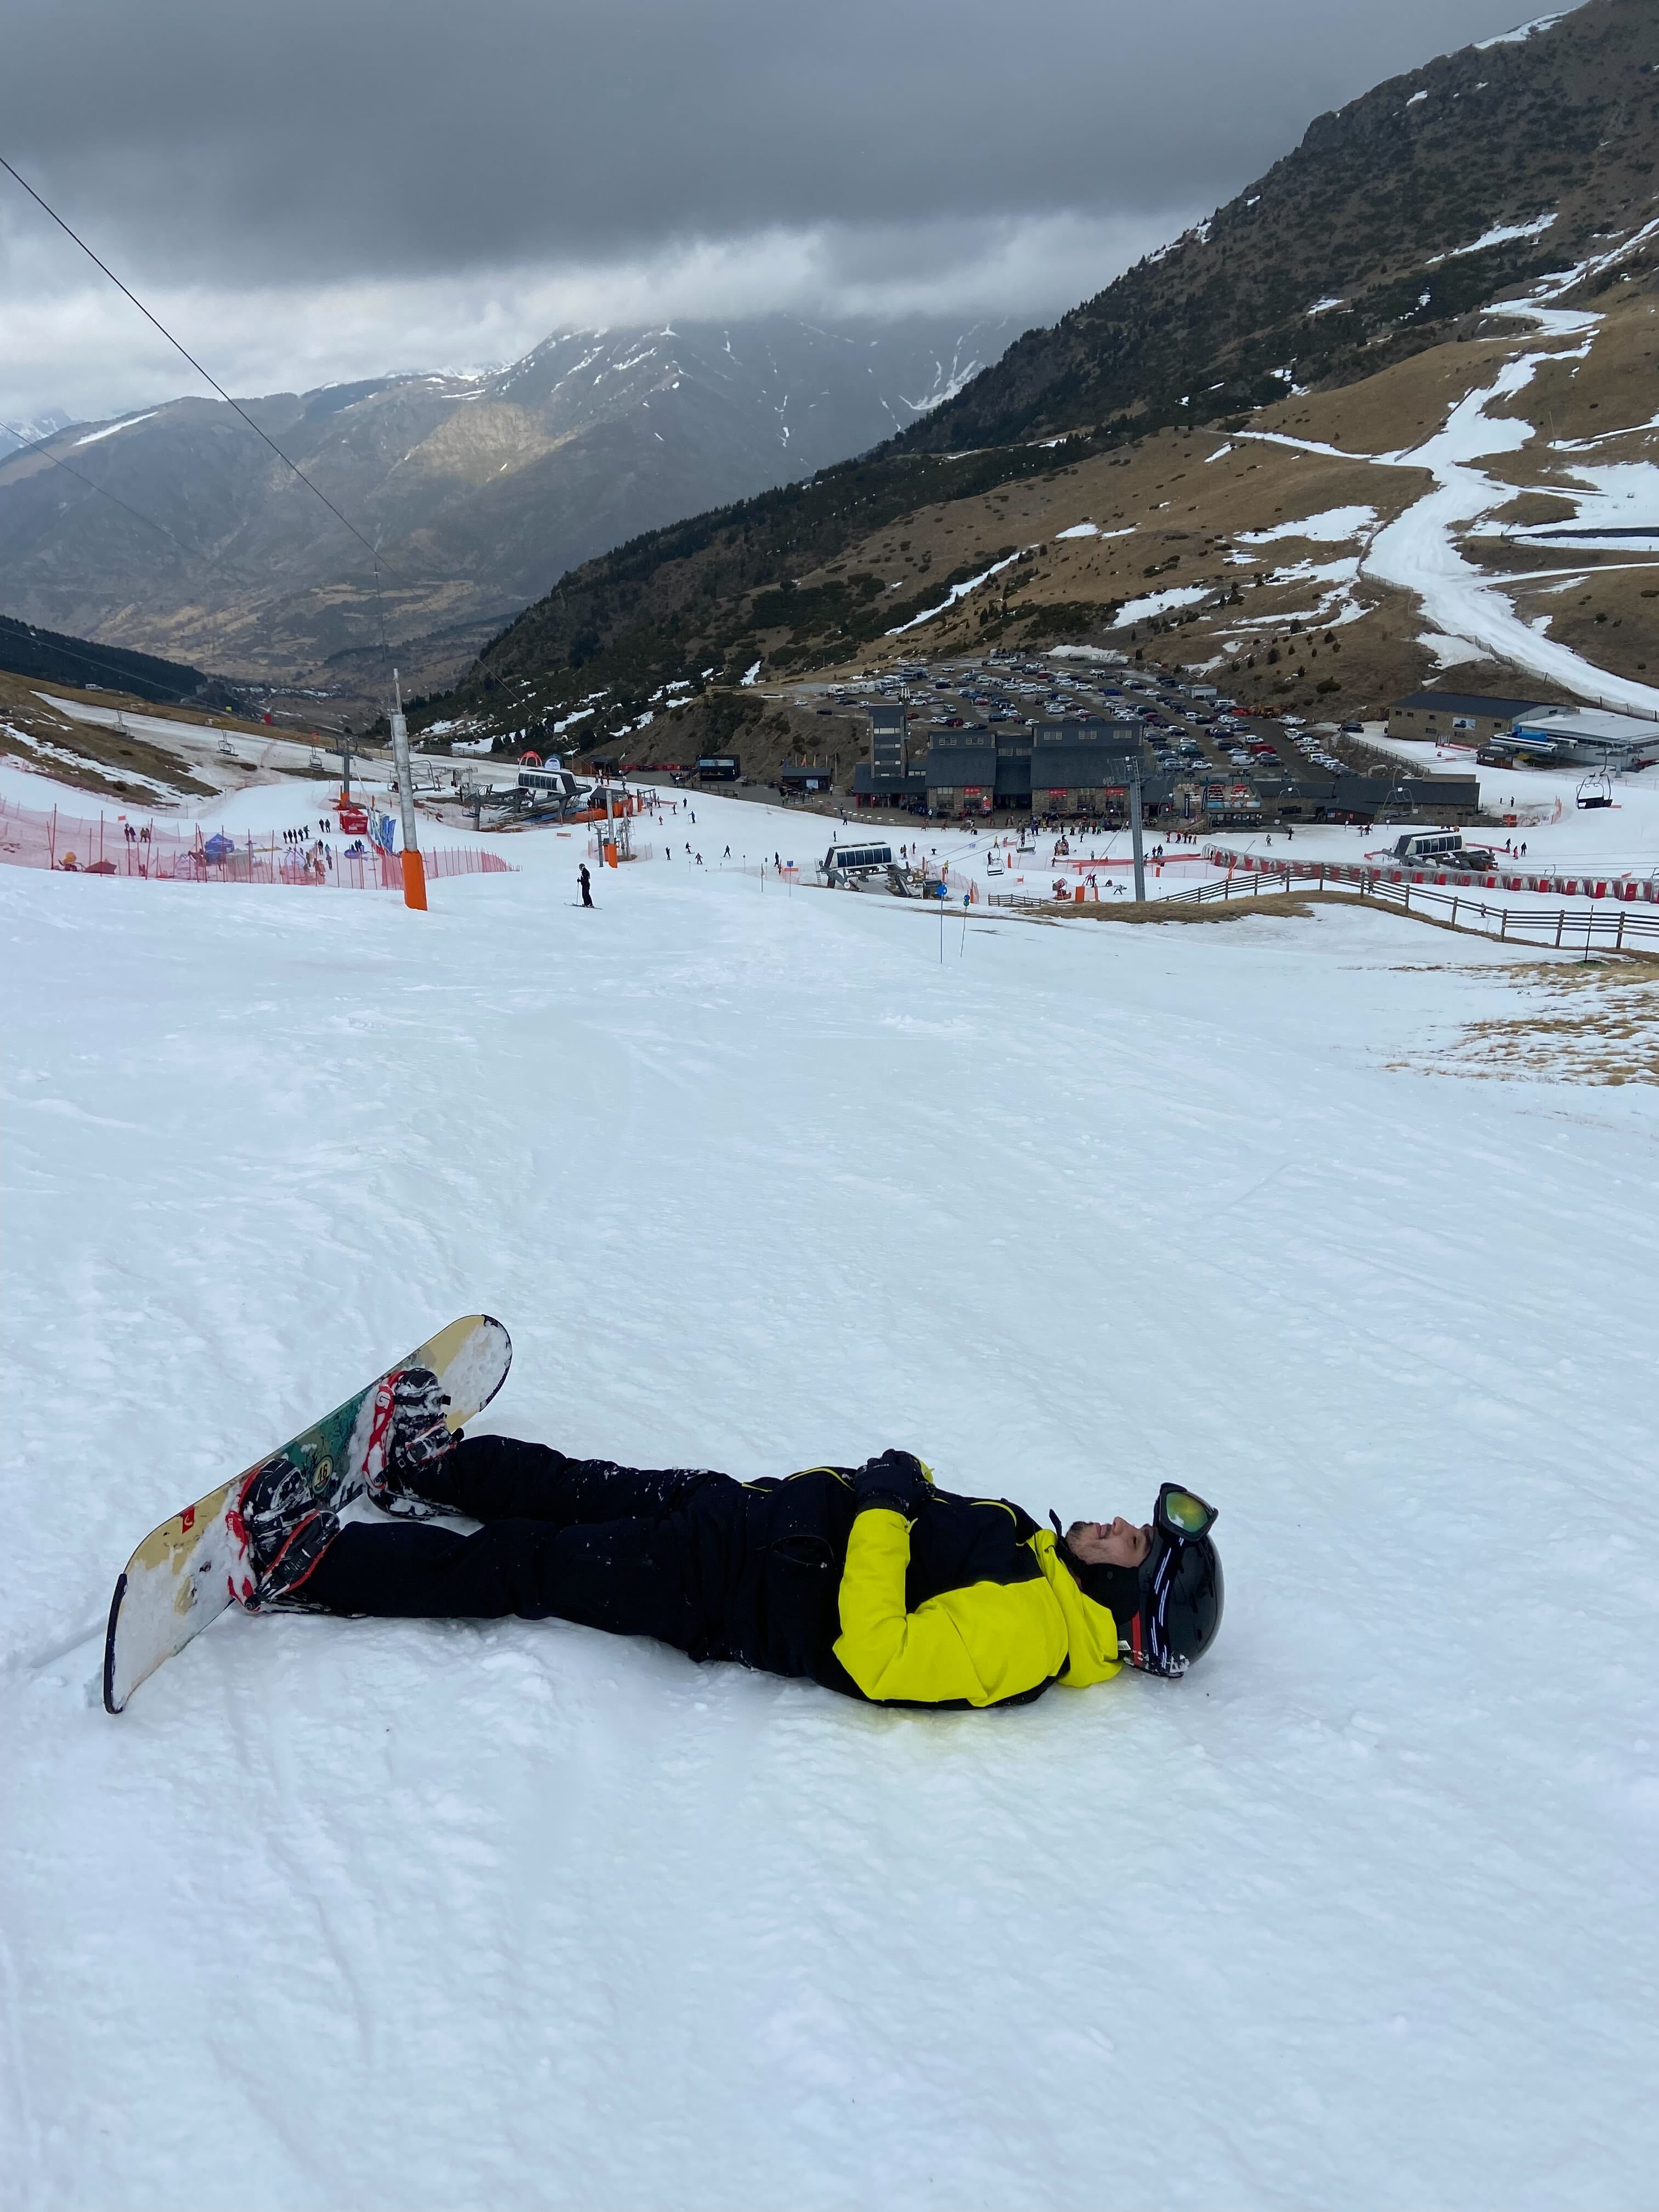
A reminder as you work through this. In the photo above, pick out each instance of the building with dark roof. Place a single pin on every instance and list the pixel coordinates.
(799, 776)
(909, 791)
(1316, 797)
(962, 771)
(1081, 768)
(1471, 716)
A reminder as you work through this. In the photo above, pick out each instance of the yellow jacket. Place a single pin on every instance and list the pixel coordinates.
(1013, 1621)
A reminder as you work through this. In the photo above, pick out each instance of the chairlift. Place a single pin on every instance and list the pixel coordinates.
(1595, 789)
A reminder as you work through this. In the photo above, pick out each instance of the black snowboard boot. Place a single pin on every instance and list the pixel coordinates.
(280, 1532)
(412, 1439)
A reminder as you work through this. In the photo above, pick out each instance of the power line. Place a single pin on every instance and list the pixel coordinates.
(373, 551)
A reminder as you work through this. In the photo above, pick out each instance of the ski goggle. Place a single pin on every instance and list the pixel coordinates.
(1182, 1515)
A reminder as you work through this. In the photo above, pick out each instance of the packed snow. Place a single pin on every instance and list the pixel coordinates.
(1469, 612)
(1501, 233)
(1159, 603)
(352, 1913)
(1093, 530)
(1415, 552)
(1521, 32)
(95, 437)
(1334, 526)
(1622, 500)
(957, 592)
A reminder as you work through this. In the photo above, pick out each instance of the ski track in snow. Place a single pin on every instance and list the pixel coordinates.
(421, 1915)
(957, 592)
(1415, 552)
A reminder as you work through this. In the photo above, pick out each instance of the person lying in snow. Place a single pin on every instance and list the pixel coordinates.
(870, 1580)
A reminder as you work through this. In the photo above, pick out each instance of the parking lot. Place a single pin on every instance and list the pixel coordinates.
(1193, 733)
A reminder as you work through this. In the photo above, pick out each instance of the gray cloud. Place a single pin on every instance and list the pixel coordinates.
(465, 167)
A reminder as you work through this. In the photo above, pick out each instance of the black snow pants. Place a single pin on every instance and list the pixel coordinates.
(584, 1539)
(720, 1569)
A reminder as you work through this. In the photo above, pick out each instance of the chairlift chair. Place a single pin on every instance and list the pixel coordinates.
(1595, 789)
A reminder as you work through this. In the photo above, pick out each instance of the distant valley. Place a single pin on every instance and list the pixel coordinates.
(479, 491)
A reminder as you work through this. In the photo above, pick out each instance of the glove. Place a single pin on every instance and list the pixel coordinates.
(897, 1481)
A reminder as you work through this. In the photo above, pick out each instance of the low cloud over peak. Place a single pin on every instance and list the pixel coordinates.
(331, 189)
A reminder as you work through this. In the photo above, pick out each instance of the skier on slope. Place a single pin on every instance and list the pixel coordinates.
(869, 1580)
(586, 883)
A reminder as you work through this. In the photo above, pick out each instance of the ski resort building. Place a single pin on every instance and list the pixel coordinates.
(1588, 737)
(1082, 768)
(795, 778)
(962, 772)
(1340, 797)
(1065, 768)
(907, 789)
(890, 744)
(1470, 717)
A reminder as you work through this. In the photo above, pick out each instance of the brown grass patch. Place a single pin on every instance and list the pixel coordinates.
(1595, 1024)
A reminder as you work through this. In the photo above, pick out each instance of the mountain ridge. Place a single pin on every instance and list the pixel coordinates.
(480, 487)
(791, 577)
(1384, 208)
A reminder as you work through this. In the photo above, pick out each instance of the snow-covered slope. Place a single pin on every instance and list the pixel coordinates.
(1362, 1912)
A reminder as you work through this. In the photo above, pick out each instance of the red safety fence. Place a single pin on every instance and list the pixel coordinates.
(1506, 874)
(168, 852)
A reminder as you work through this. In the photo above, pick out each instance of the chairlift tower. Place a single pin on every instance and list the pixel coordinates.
(342, 752)
(414, 866)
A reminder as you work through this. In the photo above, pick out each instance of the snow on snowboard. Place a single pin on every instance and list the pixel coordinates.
(177, 1581)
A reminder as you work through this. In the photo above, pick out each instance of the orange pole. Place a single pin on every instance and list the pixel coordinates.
(414, 880)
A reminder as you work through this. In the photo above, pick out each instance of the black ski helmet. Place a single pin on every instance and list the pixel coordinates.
(1166, 1610)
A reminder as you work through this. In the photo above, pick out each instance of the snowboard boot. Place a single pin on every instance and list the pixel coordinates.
(410, 1441)
(279, 1533)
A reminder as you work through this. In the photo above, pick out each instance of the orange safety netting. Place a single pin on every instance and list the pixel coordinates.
(123, 845)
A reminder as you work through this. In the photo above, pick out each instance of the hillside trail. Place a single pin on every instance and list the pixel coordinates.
(1417, 553)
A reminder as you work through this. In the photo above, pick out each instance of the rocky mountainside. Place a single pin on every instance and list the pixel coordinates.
(1375, 245)
(480, 491)
(1394, 218)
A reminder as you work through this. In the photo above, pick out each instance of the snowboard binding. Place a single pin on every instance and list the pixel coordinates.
(278, 1533)
(409, 1440)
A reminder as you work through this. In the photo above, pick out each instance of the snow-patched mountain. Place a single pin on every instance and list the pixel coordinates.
(479, 490)
(46, 425)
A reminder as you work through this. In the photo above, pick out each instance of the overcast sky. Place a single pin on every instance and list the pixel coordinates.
(316, 189)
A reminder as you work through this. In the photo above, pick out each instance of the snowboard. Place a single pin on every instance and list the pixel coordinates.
(179, 1580)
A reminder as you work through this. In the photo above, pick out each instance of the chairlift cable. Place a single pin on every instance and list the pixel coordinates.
(27, 445)
(205, 559)
(89, 660)
(180, 345)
